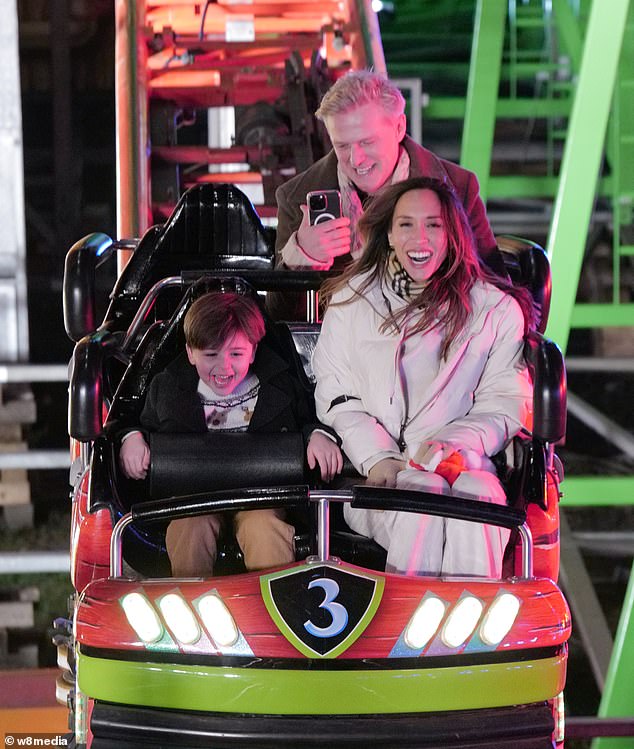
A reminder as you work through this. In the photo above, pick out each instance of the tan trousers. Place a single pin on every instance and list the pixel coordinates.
(265, 539)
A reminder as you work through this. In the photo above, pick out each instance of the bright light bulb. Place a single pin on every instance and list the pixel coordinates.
(180, 618)
(142, 617)
(218, 620)
(462, 621)
(424, 623)
(499, 618)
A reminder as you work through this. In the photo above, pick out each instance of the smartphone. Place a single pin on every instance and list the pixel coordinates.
(323, 205)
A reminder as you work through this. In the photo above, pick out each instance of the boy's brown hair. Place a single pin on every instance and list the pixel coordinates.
(217, 316)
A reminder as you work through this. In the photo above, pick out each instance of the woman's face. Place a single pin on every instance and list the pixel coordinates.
(418, 234)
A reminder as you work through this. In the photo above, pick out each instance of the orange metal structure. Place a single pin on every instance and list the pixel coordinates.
(267, 62)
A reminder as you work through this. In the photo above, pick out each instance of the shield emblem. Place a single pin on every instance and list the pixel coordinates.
(321, 608)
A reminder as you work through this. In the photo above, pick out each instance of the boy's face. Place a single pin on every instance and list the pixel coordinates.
(224, 368)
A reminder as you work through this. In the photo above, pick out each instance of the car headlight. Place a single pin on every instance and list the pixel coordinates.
(179, 618)
(462, 621)
(499, 618)
(217, 619)
(424, 623)
(142, 617)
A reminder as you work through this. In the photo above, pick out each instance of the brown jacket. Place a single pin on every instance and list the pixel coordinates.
(423, 163)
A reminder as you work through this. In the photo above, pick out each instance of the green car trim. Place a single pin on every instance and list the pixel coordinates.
(289, 692)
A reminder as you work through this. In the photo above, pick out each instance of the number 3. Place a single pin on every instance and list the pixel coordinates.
(336, 610)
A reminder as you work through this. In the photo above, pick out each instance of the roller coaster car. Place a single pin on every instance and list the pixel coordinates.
(329, 651)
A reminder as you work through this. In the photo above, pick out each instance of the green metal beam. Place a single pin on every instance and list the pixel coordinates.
(454, 107)
(582, 158)
(568, 32)
(602, 316)
(618, 696)
(597, 491)
(522, 186)
(482, 89)
(537, 186)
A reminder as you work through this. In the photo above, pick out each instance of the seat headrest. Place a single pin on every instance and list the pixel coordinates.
(527, 265)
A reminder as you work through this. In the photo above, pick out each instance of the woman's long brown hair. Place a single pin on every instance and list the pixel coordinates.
(446, 299)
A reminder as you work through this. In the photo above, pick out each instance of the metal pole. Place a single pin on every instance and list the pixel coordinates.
(116, 552)
(368, 24)
(582, 157)
(133, 189)
(21, 562)
(618, 697)
(34, 459)
(33, 373)
(323, 530)
(482, 89)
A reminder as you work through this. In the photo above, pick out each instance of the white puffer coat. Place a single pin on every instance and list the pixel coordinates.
(403, 393)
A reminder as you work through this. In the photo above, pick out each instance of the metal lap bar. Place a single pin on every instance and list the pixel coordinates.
(116, 553)
(323, 500)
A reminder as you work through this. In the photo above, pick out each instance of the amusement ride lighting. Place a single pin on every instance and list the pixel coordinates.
(218, 620)
(462, 621)
(179, 618)
(424, 622)
(142, 617)
(499, 618)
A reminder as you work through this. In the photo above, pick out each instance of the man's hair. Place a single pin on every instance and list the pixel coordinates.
(359, 87)
(217, 316)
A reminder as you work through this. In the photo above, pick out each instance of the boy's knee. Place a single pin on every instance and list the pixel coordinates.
(192, 545)
(265, 538)
(201, 529)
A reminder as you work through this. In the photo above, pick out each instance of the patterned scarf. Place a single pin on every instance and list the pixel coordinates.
(233, 412)
(400, 280)
(351, 202)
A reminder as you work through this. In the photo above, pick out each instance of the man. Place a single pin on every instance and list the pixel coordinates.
(364, 115)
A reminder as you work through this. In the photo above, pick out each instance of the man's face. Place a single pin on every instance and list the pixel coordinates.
(366, 140)
(225, 367)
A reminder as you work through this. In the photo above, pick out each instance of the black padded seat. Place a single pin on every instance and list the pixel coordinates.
(527, 265)
(194, 463)
(212, 226)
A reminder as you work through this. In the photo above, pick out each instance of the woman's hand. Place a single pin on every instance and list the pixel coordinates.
(385, 471)
(323, 451)
(444, 459)
(134, 456)
(431, 453)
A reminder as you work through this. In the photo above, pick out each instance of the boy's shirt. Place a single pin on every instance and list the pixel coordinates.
(173, 400)
(232, 412)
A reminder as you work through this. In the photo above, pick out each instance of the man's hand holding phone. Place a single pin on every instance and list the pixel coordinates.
(324, 233)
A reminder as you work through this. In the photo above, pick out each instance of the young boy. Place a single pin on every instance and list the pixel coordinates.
(228, 382)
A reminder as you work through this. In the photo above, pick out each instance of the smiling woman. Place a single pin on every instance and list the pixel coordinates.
(420, 371)
(418, 235)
